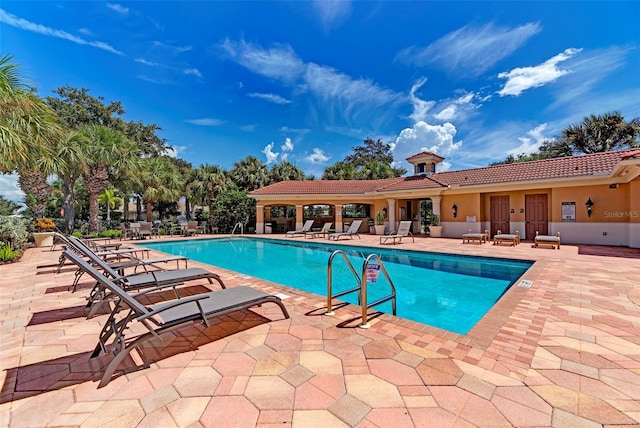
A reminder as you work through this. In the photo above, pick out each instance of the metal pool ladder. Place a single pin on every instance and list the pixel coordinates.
(241, 228)
(361, 288)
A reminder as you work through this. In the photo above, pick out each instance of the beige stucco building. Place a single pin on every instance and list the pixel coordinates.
(589, 199)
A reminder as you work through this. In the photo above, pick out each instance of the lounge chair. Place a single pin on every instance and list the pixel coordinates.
(547, 240)
(353, 230)
(162, 317)
(500, 237)
(322, 232)
(137, 281)
(471, 236)
(403, 231)
(305, 228)
(125, 258)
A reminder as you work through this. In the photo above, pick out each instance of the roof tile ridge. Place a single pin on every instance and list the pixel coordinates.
(389, 182)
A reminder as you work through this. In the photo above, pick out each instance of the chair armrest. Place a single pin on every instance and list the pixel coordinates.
(174, 304)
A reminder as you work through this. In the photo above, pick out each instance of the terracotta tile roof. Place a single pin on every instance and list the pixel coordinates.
(597, 164)
(324, 187)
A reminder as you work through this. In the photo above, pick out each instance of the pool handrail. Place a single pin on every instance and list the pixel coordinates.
(331, 296)
(361, 288)
(392, 296)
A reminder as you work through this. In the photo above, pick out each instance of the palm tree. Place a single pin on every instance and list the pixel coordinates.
(249, 174)
(602, 133)
(72, 148)
(110, 199)
(28, 129)
(285, 170)
(159, 181)
(209, 181)
(109, 150)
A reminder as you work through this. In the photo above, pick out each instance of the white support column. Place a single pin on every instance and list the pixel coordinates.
(435, 203)
(392, 214)
(338, 211)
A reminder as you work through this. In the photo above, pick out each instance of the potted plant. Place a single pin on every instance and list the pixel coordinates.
(379, 226)
(43, 232)
(435, 229)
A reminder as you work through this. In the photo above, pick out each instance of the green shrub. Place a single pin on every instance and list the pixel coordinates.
(13, 230)
(7, 254)
(111, 233)
(77, 234)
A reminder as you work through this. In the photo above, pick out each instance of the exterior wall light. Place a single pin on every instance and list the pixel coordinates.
(589, 204)
(455, 210)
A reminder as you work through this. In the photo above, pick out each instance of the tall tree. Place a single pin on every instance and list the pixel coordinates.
(373, 160)
(109, 198)
(285, 170)
(159, 181)
(108, 151)
(249, 174)
(602, 133)
(209, 181)
(28, 129)
(72, 147)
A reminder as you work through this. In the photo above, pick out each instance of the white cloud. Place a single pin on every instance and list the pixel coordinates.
(287, 146)
(118, 8)
(317, 157)
(420, 107)
(205, 122)
(447, 114)
(272, 98)
(345, 97)
(23, 24)
(471, 49)
(175, 151)
(279, 62)
(193, 71)
(85, 31)
(249, 128)
(457, 109)
(9, 188)
(438, 139)
(149, 63)
(531, 143)
(523, 78)
(332, 11)
(171, 48)
(269, 153)
(588, 69)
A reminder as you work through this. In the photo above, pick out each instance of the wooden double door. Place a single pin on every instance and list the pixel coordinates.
(536, 215)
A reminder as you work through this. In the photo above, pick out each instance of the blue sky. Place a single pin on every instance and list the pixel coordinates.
(308, 80)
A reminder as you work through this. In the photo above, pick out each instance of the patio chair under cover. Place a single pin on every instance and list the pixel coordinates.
(353, 230)
(403, 231)
(322, 232)
(163, 317)
(305, 228)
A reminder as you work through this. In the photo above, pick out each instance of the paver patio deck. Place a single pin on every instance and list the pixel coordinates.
(563, 353)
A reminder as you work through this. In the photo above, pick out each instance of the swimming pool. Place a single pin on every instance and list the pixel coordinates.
(452, 292)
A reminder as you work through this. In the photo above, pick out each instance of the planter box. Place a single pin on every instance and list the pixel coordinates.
(435, 231)
(43, 239)
(379, 229)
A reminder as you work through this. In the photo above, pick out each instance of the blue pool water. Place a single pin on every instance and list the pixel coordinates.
(447, 291)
